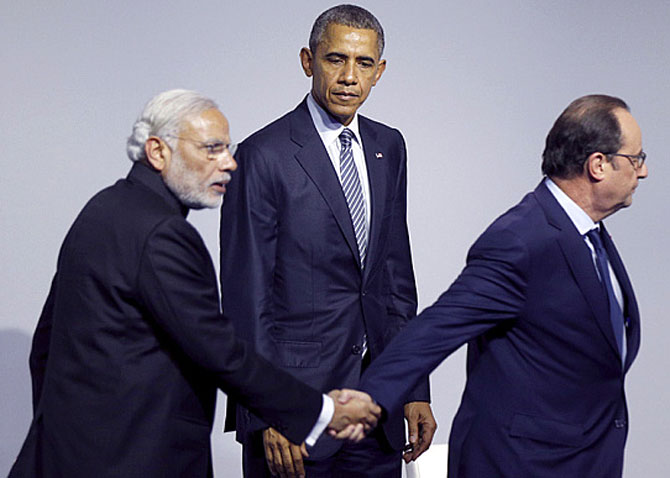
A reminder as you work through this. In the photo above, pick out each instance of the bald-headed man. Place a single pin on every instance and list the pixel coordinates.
(548, 312)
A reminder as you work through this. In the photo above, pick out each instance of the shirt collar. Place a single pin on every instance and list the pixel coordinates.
(577, 215)
(329, 129)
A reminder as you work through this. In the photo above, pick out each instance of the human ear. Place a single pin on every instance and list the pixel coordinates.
(157, 152)
(306, 59)
(596, 166)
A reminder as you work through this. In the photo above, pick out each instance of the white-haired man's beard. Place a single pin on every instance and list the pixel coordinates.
(191, 190)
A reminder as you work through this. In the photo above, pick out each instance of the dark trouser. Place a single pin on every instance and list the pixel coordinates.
(370, 458)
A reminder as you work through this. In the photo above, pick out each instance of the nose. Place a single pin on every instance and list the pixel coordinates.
(226, 162)
(348, 76)
(643, 172)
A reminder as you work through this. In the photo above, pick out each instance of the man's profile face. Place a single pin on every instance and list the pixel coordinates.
(623, 177)
(344, 68)
(195, 176)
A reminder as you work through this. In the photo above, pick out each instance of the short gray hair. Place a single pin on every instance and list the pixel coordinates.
(162, 116)
(348, 15)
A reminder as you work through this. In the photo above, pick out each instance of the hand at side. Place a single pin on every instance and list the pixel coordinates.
(421, 427)
(283, 457)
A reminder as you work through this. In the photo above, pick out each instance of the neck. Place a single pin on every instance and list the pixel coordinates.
(581, 191)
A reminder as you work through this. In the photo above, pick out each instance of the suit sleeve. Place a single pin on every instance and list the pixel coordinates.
(39, 353)
(490, 292)
(403, 297)
(177, 285)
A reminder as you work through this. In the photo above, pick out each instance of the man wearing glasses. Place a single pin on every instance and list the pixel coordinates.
(131, 344)
(548, 313)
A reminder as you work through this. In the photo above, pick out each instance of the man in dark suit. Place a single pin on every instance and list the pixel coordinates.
(131, 344)
(318, 273)
(548, 313)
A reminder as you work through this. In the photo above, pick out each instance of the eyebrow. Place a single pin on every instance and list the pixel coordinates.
(344, 56)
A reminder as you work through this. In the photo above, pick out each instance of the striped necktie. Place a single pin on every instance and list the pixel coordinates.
(351, 185)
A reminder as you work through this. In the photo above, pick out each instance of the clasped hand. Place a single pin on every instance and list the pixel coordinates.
(355, 415)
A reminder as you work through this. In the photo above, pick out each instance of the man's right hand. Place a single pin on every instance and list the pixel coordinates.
(355, 414)
(283, 457)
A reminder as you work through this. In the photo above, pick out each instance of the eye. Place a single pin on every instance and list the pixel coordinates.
(216, 148)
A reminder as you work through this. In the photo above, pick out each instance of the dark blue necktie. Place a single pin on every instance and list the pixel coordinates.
(616, 315)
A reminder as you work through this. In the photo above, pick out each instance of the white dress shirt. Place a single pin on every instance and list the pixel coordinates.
(329, 131)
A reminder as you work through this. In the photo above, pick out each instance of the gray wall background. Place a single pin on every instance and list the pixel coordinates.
(474, 86)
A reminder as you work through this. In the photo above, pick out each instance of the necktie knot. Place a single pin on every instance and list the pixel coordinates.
(594, 237)
(346, 136)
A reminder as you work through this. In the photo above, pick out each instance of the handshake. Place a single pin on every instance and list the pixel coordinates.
(355, 415)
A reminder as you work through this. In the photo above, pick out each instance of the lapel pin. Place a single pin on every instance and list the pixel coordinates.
(379, 155)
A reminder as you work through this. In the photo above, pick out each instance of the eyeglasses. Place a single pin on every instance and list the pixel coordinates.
(214, 149)
(637, 160)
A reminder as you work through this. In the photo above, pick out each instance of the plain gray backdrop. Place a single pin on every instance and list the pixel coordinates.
(473, 85)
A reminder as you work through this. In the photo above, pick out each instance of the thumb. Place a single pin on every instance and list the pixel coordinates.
(413, 430)
(345, 396)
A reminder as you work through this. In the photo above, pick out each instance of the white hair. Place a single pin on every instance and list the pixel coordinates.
(162, 116)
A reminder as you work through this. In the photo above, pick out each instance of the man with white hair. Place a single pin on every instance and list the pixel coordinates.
(131, 344)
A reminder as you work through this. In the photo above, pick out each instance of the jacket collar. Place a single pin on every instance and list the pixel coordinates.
(148, 177)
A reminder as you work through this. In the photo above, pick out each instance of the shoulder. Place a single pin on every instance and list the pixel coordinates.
(279, 129)
(129, 209)
(380, 129)
(523, 227)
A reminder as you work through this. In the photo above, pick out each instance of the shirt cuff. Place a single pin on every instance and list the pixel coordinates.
(327, 411)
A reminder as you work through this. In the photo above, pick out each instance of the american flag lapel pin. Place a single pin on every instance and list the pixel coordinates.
(379, 155)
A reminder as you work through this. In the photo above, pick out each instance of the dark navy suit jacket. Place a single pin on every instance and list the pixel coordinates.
(545, 382)
(291, 279)
(131, 346)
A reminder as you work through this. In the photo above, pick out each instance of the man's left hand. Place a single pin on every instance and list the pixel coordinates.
(421, 426)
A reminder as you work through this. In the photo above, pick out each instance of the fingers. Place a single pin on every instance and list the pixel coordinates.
(352, 432)
(269, 452)
(413, 432)
(425, 438)
(358, 410)
(421, 427)
(284, 459)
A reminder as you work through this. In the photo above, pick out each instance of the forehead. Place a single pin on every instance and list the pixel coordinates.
(207, 125)
(631, 135)
(345, 39)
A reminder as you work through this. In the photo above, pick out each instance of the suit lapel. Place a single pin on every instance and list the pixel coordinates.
(630, 309)
(578, 257)
(314, 159)
(377, 176)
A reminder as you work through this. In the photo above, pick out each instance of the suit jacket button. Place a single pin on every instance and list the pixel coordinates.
(620, 423)
(356, 349)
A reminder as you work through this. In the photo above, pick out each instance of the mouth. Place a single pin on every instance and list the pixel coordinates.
(220, 186)
(345, 95)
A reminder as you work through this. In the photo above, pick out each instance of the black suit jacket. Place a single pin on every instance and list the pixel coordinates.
(291, 279)
(131, 346)
(545, 389)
